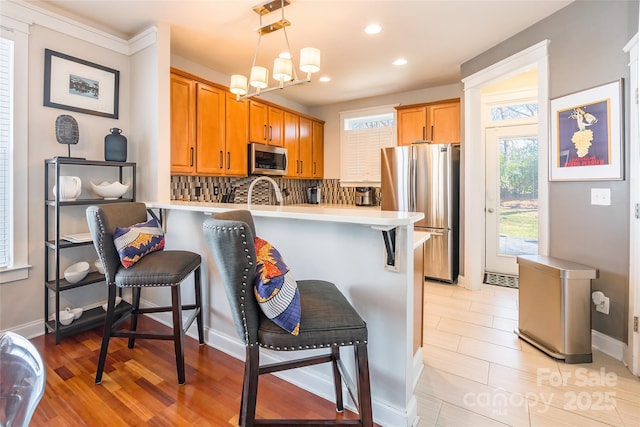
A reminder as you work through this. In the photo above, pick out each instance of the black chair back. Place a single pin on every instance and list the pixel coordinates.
(230, 237)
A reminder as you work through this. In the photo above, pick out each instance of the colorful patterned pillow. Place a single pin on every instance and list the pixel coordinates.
(275, 288)
(138, 240)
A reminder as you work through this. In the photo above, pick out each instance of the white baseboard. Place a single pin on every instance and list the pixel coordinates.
(607, 345)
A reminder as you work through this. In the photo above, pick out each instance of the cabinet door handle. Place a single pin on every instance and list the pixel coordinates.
(264, 132)
(314, 168)
(301, 166)
(424, 132)
(191, 165)
(228, 160)
(432, 133)
(270, 133)
(221, 161)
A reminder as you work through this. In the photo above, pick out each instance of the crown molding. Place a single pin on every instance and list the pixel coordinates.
(32, 14)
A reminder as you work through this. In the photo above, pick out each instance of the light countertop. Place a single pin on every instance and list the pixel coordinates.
(366, 215)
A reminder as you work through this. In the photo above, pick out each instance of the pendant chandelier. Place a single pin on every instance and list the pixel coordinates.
(283, 70)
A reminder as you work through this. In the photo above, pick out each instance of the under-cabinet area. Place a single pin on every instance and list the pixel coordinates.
(211, 129)
(70, 186)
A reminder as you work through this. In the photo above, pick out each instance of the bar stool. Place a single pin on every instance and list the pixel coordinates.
(159, 268)
(328, 321)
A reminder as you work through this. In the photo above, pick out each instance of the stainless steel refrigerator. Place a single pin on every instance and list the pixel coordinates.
(424, 177)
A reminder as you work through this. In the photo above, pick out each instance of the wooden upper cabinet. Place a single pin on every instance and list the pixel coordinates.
(443, 123)
(237, 136)
(183, 112)
(292, 143)
(317, 136)
(412, 125)
(210, 129)
(305, 152)
(266, 124)
(437, 122)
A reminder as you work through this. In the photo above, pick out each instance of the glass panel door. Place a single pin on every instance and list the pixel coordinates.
(511, 206)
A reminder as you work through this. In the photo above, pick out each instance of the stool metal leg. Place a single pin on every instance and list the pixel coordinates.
(198, 292)
(134, 314)
(106, 333)
(364, 387)
(178, 333)
(337, 378)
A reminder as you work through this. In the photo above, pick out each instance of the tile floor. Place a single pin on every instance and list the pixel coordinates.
(479, 373)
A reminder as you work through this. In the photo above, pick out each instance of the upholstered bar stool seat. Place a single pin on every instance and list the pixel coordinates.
(160, 268)
(327, 321)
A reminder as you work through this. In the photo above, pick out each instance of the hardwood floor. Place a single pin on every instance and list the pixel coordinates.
(140, 386)
(479, 373)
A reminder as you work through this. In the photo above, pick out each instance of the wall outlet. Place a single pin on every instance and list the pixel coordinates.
(603, 307)
(216, 190)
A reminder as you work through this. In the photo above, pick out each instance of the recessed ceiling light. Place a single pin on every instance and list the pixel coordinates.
(400, 61)
(325, 79)
(373, 29)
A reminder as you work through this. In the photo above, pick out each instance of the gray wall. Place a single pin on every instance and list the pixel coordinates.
(587, 38)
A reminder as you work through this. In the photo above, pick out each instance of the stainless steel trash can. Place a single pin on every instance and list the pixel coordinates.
(554, 309)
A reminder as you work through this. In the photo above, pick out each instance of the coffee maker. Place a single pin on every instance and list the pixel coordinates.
(365, 196)
(313, 195)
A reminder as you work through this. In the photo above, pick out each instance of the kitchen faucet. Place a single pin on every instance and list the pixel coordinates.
(268, 179)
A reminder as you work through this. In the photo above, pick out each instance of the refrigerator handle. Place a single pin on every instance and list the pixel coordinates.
(412, 183)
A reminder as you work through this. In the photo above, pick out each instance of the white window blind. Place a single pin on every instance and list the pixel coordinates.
(14, 156)
(6, 93)
(363, 134)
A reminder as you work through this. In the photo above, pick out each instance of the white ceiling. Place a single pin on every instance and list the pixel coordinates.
(434, 36)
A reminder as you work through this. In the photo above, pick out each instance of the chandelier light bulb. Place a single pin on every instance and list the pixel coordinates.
(238, 85)
(259, 77)
(310, 59)
(282, 69)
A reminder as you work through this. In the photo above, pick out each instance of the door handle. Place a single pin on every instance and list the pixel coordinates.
(228, 160)
(490, 210)
(221, 161)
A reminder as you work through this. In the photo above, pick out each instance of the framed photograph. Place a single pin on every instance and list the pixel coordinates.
(81, 86)
(586, 135)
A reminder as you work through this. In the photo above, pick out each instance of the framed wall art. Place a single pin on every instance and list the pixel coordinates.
(587, 135)
(77, 85)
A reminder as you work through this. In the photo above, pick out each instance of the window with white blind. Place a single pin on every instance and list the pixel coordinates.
(363, 133)
(6, 93)
(14, 245)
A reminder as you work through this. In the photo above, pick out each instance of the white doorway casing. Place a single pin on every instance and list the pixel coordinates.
(631, 352)
(473, 155)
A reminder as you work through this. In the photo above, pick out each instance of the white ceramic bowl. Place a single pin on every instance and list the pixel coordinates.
(99, 266)
(76, 272)
(65, 317)
(108, 190)
(118, 300)
(76, 312)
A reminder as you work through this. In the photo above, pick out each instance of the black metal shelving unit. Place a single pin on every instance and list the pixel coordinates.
(54, 278)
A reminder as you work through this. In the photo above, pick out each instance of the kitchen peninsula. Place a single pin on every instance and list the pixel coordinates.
(344, 245)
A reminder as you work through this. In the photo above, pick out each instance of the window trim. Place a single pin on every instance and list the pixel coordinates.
(19, 33)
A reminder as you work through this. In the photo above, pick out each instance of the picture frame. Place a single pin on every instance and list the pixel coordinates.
(77, 85)
(586, 142)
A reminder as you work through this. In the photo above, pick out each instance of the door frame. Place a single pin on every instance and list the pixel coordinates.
(631, 351)
(473, 157)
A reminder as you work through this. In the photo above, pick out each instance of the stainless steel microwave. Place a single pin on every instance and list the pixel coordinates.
(267, 160)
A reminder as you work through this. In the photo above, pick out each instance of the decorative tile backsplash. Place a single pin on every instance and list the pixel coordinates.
(203, 189)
